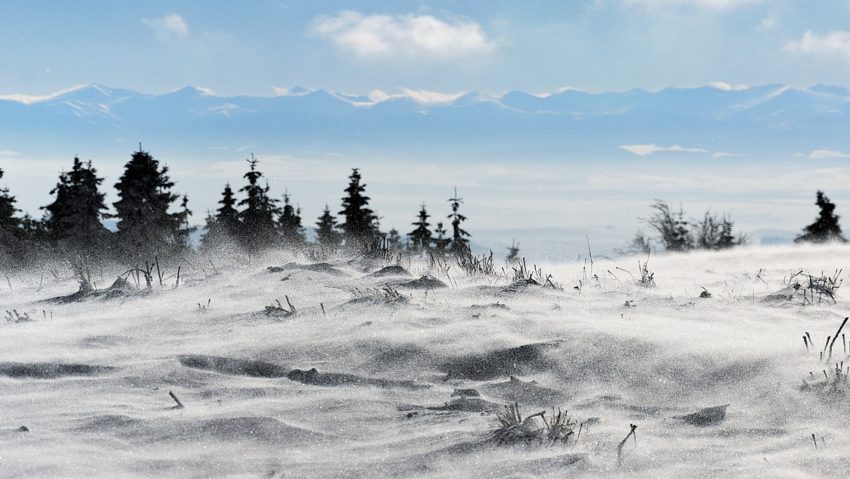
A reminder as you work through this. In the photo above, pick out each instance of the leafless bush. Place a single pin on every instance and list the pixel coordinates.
(813, 288)
(277, 310)
(386, 294)
(534, 276)
(513, 429)
(14, 317)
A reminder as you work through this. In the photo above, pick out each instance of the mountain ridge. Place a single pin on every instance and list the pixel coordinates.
(757, 121)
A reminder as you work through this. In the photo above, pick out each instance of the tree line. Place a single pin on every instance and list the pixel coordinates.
(153, 221)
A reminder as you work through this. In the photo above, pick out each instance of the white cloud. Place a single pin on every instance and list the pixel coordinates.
(767, 23)
(728, 86)
(28, 99)
(646, 150)
(835, 43)
(705, 4)
(827, 154)
(9, 153)
(414, 36)
(168, 27)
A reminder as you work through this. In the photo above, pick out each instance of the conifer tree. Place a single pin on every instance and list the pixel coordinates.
(326, 233)
(420, 237)
(393, 240)
(460, 243)
(11, 233)
(513, 252)
(359, 225)
(73, 219)
(223, 226)
(185, 213)
(257, 217)
(145, 227)
(441, 243)
(291, 231)
(826, 227)
(226, 215)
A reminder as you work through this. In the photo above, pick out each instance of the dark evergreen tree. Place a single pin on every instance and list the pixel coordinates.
(393, 240)
(420, 237)
(73, 220)
(145, 226)
(291, 231)
(460, 243)
(257, 218)
(227, 215)
(326, 233)
(12, 246)
(185, 213)
(359, 225)
(441, 243)
(825, 228)
(223, 227)
(513, 252)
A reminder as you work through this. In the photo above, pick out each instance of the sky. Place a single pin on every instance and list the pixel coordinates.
(435, 47)
(263, 46)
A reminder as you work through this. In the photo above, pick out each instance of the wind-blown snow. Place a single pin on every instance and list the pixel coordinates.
(90, 380)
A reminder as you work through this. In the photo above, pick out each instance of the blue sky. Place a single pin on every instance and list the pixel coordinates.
(264, 47)
(255, 47)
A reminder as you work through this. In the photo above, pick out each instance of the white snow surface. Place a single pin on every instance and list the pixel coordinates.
(609, 365)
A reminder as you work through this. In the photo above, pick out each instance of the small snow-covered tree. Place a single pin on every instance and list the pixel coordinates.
(326, 231)
(291, 232)
(222, 227)
(13, 247)
(513, 252)
(420, 237)
(460, 241)
(441, 242)
(257, 218)
(360, 222)
(145, 226)
(826, 227)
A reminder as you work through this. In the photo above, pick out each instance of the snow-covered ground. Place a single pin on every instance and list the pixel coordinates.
(381, 401)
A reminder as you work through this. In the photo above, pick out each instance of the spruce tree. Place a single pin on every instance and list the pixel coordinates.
(73, 220)
(513, 252)
(441, 243)
(291, 232)
(359, 225)
(227, 215)
(185, 213)
(223, 227)
(145, 227)
(12, 246)
(420, 237)
(460, 243)
(257, 218)
(826, 227)
(393, 240)
(326, 233)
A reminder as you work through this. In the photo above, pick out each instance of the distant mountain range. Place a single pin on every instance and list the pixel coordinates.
(714, 121)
